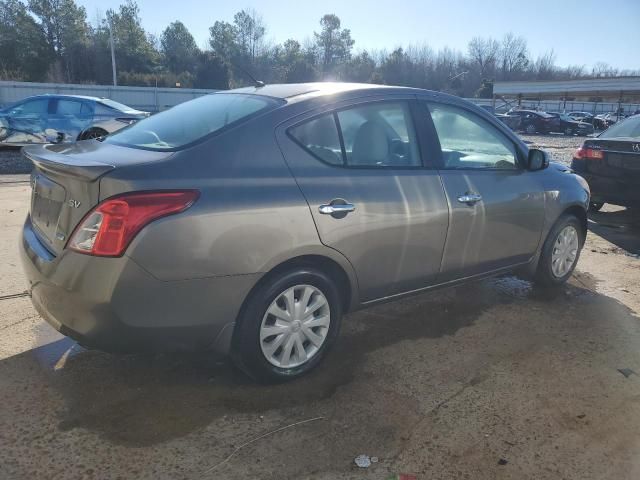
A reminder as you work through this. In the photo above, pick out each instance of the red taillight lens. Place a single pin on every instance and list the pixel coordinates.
(109, 228)
(589, 153)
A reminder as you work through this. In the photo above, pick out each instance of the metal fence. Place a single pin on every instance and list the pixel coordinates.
(152, 99)
(149, 99)
(559, 105)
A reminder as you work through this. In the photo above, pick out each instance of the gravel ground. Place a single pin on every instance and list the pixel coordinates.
(12, 162)
(561, 147)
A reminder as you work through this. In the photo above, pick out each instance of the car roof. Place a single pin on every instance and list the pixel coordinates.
(290, 91)
(58, 95)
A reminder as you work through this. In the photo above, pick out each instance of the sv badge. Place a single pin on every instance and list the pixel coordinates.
(73, 203)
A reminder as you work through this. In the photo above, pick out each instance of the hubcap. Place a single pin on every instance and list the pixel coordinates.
(565, 251)
(295, 326)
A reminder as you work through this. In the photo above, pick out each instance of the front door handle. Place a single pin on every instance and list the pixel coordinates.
(334, 208)
(470, 198)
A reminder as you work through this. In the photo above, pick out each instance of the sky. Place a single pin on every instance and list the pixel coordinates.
(580, 32)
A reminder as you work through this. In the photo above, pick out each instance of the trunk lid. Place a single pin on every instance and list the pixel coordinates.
(619, 161)
(65, 184)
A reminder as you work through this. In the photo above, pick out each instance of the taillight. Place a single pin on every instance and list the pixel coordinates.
(107, 230)
(588, 153)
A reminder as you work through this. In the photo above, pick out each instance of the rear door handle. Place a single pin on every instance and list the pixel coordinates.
(470, 198)
(336, 208)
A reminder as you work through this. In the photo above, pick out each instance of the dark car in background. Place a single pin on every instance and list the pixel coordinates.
(536, 122)
(611, 165)
(569, 126)
(511, 121)
(582, 117)
(63, 119)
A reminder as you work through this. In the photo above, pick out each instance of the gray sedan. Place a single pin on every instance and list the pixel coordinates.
(248, 222)
(63, 119)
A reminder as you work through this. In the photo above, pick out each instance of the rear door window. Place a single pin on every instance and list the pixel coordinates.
(320, 137)
(68, 107)
(378, 134)
(191, 121)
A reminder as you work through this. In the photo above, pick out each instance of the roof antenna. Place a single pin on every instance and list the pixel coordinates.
(256, 83)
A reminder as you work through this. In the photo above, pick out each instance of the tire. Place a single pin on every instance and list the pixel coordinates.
(93, 133)
(530, 129)
(251, 340)
(595, 206)
(546, 275)
(568, 131)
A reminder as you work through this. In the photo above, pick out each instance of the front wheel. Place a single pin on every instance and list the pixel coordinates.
(560, 251)
(568, 131)
(287, 325)
(530, 129)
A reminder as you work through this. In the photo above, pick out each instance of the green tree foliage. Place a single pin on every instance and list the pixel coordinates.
(179, 48)
(51, 40)
(66, 30)
(211, 72)
(334, 44)
(24, 52)
(135, 51)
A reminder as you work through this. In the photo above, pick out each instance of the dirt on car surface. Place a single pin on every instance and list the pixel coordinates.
(497, 379)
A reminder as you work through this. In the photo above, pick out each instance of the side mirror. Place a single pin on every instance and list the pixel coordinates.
(537, 160)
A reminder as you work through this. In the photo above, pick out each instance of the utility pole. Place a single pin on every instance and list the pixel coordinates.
(113, 56)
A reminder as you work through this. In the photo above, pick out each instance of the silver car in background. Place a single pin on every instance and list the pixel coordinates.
(63, 119)
(249, 221)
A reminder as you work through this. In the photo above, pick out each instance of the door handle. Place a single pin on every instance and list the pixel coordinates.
(470, 198)
(336, 208)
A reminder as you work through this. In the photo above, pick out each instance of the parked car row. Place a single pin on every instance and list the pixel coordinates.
(63, 119)
(532, 121)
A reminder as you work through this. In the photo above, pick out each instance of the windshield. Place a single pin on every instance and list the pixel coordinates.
(118, 106)
(626, 128)
(190, 121)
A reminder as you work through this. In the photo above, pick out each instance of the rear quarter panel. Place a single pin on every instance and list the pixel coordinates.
(250, 217)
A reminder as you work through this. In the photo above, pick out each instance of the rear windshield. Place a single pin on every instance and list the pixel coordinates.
(629, 128)
(191, 121)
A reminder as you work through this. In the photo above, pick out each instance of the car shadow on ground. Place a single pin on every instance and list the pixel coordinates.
(141, 400)
(619, 226)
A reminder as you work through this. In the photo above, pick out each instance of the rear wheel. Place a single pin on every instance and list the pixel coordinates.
(287, 325)
(560, 251)
(595, 206)
(530, 129)
(93, 133)
(568, 131)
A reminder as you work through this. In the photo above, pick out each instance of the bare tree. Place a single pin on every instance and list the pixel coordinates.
(545, 68)
(484, 51)
(603, 69)
(514, 56)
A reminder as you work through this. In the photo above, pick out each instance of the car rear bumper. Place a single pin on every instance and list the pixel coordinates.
(113, 304)
(611, 190)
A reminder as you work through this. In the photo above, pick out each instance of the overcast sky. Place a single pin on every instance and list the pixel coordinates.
(580, 32)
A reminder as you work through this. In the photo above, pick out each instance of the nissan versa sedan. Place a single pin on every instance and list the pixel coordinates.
(63, 119)
(249, 221)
